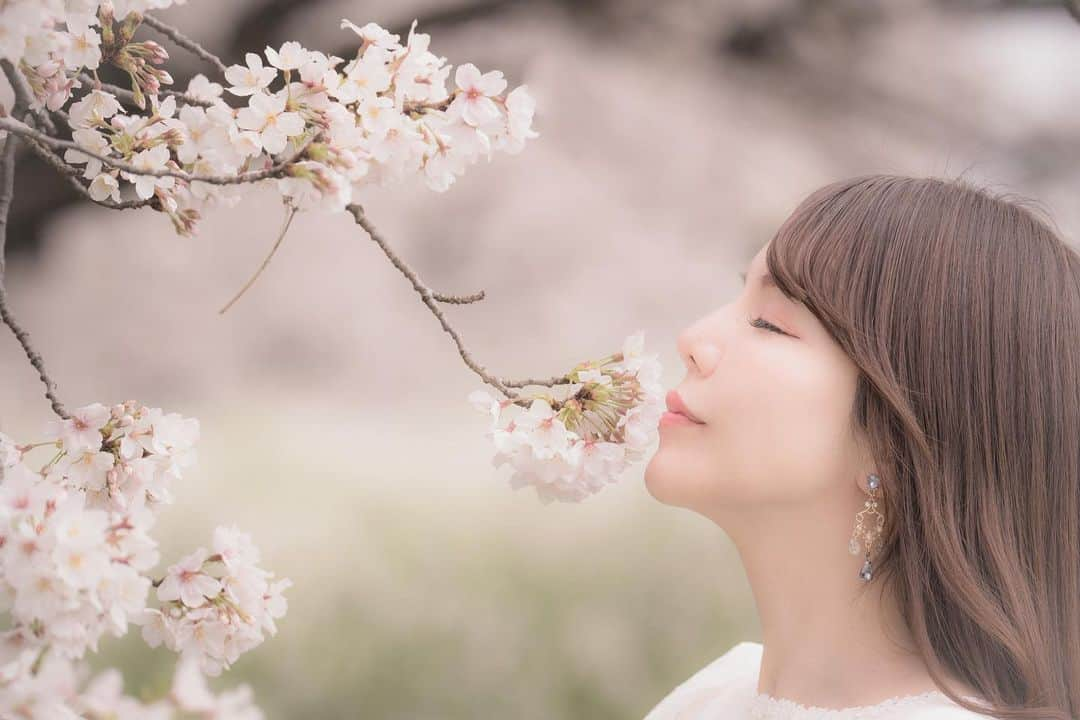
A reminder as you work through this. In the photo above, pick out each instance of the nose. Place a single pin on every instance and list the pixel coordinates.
(697, 349)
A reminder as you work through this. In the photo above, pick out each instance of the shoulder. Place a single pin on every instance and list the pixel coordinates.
(730, 677)
(743, 657)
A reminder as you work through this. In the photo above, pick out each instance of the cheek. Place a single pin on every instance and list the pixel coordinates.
(788, 433)
(778, 431)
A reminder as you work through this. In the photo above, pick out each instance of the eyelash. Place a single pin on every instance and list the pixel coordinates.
(760, 322)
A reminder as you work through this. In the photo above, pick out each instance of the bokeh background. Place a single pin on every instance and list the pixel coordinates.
(675, 138)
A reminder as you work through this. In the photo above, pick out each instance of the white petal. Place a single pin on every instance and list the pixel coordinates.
(467, 76)
(492, 83)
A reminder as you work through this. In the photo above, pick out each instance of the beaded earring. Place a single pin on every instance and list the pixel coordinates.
(869, 535)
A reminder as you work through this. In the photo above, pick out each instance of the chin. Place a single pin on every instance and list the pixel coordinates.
(663, 478)
(674, 479)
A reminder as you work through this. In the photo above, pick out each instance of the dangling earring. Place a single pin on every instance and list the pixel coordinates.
(870, 535)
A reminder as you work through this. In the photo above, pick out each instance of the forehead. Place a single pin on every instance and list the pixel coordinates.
(757, 275)
(757, 271)
(757, 265)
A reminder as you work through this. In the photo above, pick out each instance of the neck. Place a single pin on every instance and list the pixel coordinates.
(825, 643)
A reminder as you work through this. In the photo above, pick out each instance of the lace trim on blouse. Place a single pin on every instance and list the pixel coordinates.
(767, 707)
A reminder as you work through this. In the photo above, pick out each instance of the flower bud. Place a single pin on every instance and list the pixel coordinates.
(106, 18)
(155, 53)
(129, 25)
(172, 137)
(184, 221)
(137, 96)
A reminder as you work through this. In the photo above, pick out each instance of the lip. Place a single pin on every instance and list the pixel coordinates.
(676, 405)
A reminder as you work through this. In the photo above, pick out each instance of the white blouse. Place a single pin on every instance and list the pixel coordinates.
(726, 689)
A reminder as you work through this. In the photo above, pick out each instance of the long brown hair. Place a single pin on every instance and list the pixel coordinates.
(961, 308)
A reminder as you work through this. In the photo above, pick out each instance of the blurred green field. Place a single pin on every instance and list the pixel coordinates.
(426, 588)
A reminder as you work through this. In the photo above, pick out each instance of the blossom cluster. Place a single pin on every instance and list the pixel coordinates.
(76, 550)
(572, 448)
(216, 616)
(383, 117)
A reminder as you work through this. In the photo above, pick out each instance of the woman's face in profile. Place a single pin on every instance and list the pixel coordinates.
(775, 398)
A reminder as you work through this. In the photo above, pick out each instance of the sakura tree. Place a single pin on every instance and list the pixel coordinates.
(76, 551)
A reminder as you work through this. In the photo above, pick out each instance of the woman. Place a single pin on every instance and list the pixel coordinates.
(888, 428)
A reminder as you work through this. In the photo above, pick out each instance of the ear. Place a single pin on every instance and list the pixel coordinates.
(864, 461)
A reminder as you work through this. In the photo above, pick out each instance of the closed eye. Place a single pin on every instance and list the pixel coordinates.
(760, 322)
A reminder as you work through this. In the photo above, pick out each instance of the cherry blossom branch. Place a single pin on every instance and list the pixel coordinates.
(7, 192)
(129, 96)
(23, 98)
(312, 175)
(276, 170)
(185, 42)
(332, 127)
(72, 173)
(429, 297)
(550, 382)
(21, 108)
(52, 159)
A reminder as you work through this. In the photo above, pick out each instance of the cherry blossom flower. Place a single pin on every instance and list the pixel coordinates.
(234, 547)
(83, 47)
(87, 469)
(202, 135)
(155, 158)
(520, 107)
(373, 34)
(573, 451)
(91, 140)
(75, 533)
(105, 186)
(266, 115)
(291, 56)
(74, 553)
(249, 79)
(473, 102)
(404, 122)
(202, 88)
(82, 431)
(94, 108)
(364, 79)
(187, 583)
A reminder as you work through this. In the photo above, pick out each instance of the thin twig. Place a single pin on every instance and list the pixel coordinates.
(185, 42)
(7, 191)
(275, 170)
(429, 298)
(265, 262)
(125, 94)
(35, 359)
(550, 382)
(459, 299)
